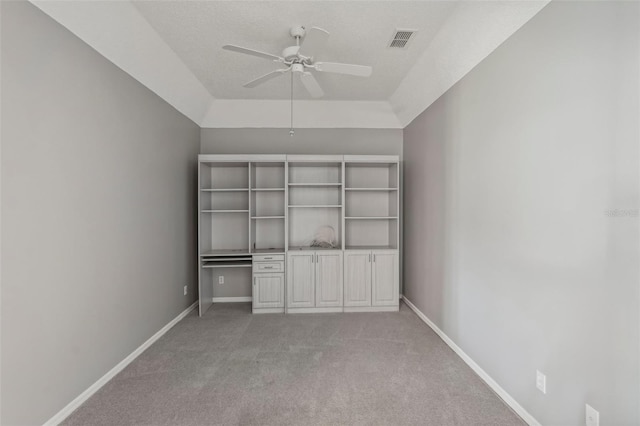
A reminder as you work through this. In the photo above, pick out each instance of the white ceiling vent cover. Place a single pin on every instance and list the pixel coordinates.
(401, 38)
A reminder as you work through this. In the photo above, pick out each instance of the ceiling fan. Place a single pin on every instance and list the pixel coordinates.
(301, 59)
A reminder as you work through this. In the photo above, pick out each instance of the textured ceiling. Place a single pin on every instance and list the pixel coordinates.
(174, 48)
(360, 33)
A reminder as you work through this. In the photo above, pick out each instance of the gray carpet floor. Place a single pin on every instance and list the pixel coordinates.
(234, 368)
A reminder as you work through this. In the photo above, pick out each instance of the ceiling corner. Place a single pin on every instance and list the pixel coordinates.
(469, 35)
(135, 47)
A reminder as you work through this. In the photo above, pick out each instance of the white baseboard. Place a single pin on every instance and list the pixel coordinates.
(508, 399)
(70, 408)
(232, 299)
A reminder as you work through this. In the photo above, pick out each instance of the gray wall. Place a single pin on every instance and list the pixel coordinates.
(511, 248)
(98, 211)
(305, 141)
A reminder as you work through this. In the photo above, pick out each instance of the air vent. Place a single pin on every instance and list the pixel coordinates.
(401, 38)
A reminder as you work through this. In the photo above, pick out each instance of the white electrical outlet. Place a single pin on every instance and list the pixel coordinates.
(541, 382)
(185, 290)
(592, 416)
(221, 279)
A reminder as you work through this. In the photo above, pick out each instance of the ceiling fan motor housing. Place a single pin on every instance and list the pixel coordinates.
(290, 53)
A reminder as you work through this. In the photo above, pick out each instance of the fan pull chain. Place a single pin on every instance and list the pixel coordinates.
(291, 129)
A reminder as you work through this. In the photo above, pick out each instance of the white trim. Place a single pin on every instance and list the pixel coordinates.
(371, 158)
(80, 399)
(231, 299)
(239, 158)
(314, 158)
(508, 399)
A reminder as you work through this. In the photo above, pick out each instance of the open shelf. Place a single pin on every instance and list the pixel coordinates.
(315, 174)
(315, 184)
(371, 217)
(309, 206)
(371, 205)
(372, 176)
(224, 190)
(225, 211)
(267, 176)
(315, 195)
(371, 189)
(221, 176)
(268, 207)
(371, 232)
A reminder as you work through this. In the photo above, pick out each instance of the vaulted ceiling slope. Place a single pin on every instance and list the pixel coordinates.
(175, 49)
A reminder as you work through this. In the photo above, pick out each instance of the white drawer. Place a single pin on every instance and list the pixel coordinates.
(268, 267)
(267, 257)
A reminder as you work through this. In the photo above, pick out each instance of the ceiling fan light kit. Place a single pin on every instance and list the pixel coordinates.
(300, 59)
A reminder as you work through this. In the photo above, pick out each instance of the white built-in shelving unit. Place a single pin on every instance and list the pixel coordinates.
(263, 211)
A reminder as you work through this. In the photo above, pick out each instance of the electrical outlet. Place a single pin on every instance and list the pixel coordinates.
(185, 290)
(541, 382)
(592, 416)
(221, 279)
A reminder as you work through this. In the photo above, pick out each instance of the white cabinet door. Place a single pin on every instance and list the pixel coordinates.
(328, 278)
(268, 291)
(301, 280)
(357, 278)
(385, 278)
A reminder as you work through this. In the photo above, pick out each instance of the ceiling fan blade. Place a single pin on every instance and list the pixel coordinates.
(252, 52)
(313, 42)
(266, 77)
(350, 69)
(311, 84)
